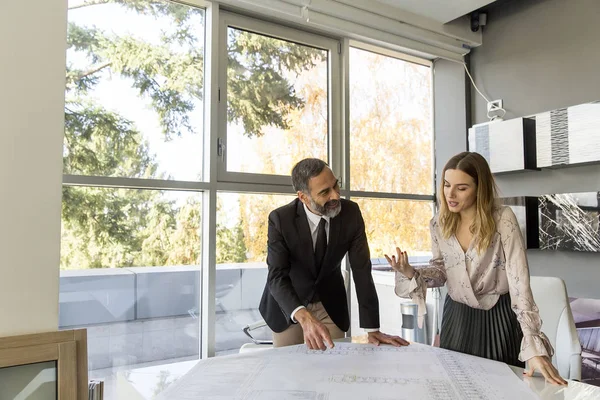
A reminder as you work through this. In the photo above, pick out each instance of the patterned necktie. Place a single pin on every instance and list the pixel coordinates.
(321, 245)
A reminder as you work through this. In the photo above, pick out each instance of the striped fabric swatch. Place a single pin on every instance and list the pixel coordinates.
(500, 143)
(568, 136)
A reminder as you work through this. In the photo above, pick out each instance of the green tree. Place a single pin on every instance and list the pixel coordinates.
(119, 227)
(107, 227)
(231, 246)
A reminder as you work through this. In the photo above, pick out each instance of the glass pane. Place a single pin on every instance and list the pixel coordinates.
(391, 134)
(131, 274)
(32, 382)
(134, 95)
(390, 223)
(276, 103)
(242, 221)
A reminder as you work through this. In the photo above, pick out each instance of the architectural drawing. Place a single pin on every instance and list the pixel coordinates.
(350, 372)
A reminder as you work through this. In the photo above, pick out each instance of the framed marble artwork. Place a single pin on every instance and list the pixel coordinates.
(565, 221)
(568, 136)
(506, 145)
(570, 221)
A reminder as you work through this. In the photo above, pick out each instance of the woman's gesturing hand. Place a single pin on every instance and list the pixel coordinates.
(400, 263)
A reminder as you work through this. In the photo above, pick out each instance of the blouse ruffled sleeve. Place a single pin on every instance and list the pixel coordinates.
(433, 275)
(535, 342)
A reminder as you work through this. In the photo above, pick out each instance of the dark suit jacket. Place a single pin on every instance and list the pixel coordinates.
(293, 280)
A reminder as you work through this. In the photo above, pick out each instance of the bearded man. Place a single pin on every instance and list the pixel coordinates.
(304, 300)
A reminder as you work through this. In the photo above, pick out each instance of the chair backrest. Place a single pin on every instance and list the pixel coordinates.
(550, 295)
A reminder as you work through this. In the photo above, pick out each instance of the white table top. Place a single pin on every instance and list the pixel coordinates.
(142, 383)
(547, 391)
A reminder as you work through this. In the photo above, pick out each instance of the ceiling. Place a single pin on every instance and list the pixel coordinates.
(440, 10)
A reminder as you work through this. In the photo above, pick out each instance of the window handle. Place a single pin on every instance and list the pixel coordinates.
(221, 149)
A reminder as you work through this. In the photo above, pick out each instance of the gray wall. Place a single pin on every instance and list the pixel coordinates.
(539, 55)
(450, 110)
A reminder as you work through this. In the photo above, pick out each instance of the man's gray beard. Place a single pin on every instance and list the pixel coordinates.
(323, 210)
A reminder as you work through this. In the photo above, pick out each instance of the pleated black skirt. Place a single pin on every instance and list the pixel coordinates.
(494, 334)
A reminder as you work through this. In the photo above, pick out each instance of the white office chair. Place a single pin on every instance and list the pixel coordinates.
(258, 344)
(550, 295)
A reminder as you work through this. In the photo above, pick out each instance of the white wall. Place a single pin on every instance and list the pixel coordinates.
(32, 79)
(537, 56)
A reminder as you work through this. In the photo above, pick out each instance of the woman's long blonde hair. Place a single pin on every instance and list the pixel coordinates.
(484, 225)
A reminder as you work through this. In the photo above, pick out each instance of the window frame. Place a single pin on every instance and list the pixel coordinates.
(404, 57)
(203, 188)
(282, 32)
(348, 193)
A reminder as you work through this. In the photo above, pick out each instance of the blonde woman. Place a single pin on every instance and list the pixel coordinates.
(479, 253)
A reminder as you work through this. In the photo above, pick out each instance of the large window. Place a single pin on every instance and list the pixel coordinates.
(391, 149)
(391, 133)
(132, 214)
(164, 218)
(276, 103)
(276, 109)
(278, 91)
(134, 90)
(391, 160)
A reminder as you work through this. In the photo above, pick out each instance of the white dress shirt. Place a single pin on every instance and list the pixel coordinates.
(313, 224)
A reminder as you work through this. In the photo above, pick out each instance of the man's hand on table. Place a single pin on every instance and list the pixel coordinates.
(379, 337)
(316, 335)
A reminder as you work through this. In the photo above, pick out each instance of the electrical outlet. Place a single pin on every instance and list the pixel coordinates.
(494, 105)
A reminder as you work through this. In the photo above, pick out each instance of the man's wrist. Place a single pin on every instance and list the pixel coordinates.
(302, 315)
(371, 330)
(293, 314)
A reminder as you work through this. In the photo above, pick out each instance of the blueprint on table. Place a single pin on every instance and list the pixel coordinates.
(347, 372)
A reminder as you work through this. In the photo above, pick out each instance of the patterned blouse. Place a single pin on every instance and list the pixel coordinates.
(478, 280)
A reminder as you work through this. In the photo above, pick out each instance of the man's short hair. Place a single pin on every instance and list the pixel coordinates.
(304, 170)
